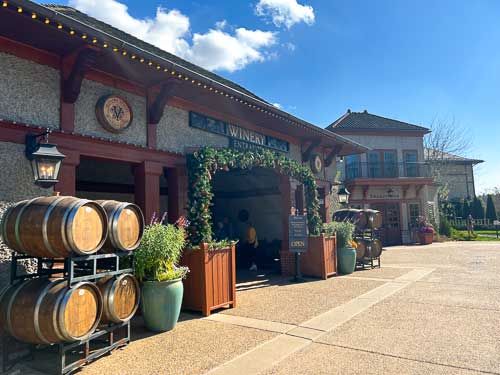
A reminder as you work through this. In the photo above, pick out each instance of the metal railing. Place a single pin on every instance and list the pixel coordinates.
(386, 170)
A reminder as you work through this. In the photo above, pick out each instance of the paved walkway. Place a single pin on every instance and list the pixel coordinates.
(429, 309)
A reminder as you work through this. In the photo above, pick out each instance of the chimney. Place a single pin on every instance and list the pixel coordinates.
(348, 110)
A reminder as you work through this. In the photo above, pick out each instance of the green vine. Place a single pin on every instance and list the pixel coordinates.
(204, 163)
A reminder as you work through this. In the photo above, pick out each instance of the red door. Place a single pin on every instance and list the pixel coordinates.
(390, 232)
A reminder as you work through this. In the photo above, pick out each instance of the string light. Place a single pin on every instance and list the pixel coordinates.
(59, 26)
(133, 57)
(141, 60)
(115, 49)
(165, 70)
(33, 16)
(94, 40)
(83, 36)
(150, 63)
(173, 72)
(124, 53)
(72, 32)
(4, 4)
(186, 78)
(179, 76)
(19, 10)
(47, 21)
(158, 67)
(105, 45)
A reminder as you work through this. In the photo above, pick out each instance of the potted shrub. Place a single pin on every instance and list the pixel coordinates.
(156, 266)
(211, 284)
(346, 251)
(426, 234)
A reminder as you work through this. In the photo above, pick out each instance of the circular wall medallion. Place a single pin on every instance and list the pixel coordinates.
(113, 113)
(316, 163)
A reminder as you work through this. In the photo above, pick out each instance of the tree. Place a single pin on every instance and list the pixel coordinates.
(477, 208)
(491, 212)
(446, 140)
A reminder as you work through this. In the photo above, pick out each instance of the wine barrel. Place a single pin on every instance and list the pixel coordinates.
(361, 249)
(41, 311)
(125, 225)
(374, 218)
(368, 248)
(352, 215)
(120, 297)
(55, 226)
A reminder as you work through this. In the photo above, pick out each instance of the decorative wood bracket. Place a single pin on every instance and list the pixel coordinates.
(306, 155)
(405, 190)
(332, 155)
(157, 106)
(365, 191)
(418, 189)
(75, 66)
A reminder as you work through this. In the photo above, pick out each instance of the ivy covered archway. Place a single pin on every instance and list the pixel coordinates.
(204, 163)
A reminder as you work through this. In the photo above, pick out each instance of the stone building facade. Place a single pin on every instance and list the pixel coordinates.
(392, 177)
(51, 82)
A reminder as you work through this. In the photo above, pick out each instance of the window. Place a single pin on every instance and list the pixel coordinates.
(352, 166)
(413, 213)
(411, 166)
(374, 163)
(390, 165)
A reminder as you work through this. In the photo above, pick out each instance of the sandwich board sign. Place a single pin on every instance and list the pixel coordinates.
(297, 233)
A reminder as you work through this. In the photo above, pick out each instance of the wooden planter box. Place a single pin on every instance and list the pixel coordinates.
(211, 282)
(320, 260)
(425, 238)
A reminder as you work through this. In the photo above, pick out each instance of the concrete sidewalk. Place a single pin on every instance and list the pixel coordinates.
(429, 309)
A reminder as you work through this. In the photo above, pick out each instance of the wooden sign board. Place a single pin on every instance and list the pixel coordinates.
(297, 233)
(496, 222)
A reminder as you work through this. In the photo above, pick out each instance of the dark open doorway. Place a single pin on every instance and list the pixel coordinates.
(250, 196)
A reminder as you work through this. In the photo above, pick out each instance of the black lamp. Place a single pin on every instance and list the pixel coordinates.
(45, 159)
(343, 195)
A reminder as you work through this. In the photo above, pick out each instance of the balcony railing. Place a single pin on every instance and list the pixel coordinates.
(387, 170)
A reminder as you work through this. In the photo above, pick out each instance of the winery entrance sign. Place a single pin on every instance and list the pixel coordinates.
(239, 137)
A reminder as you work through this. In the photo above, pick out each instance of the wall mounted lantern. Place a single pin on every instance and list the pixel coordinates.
(343, 195)
(45, 159)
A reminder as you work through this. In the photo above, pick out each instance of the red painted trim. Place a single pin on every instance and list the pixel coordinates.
(92, 147)
(27, 52)
(190, 106)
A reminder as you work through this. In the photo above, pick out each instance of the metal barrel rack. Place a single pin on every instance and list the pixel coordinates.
(369, 260)
(70, 356)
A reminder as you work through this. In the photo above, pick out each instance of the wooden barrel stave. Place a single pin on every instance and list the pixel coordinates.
(125, 225)
(374, 218)
(55, 226)
(120, 297)
(41, 311)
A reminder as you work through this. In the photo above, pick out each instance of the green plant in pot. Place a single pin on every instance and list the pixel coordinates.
(156, 266)
(346, 252)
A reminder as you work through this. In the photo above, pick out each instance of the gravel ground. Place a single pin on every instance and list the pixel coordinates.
(382, 273)
(193, 347)
(296, 303)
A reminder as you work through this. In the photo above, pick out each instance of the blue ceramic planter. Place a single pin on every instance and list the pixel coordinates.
(347, 260)
(161, 304)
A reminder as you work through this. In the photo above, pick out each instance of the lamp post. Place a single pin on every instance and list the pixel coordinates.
(45, 159)
(343, 194)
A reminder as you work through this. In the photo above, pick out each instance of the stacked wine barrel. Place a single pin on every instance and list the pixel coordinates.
(366, 222)
(46, 309)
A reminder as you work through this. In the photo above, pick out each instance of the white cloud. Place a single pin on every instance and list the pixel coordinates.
(170, 31)
(285, 12)
(277, 105)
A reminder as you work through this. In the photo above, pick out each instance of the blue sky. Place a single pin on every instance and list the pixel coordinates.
(410, 60)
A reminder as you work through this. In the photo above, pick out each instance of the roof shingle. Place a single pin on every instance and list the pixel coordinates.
(359, 121)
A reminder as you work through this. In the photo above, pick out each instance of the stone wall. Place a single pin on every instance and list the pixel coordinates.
(86, 120)
(17, 177)
(30, 92)
(174, 133)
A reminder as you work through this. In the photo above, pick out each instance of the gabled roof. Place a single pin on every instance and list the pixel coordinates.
(127, 38)
(441, 156)
(364, 121)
